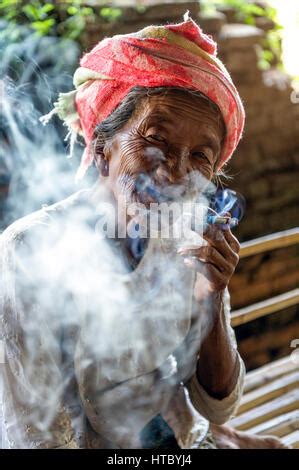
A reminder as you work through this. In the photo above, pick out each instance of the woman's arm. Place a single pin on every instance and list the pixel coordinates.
(216, 386)
(214, 395)
(218, 366)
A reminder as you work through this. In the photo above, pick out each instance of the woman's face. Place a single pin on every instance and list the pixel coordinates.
(169, 139)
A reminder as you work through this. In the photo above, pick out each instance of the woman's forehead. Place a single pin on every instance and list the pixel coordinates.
(177, 108)
(163, 106)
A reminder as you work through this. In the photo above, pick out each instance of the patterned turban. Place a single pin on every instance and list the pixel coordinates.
(178, 55)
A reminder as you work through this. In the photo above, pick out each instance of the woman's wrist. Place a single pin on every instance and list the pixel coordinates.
(218, 365)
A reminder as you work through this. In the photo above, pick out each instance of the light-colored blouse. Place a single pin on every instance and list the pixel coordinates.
(93, 351)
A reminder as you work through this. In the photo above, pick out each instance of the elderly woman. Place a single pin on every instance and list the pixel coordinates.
(106, 345)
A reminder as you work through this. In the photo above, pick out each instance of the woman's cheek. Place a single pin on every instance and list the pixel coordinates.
(131, 159)
(206, 171)
(141, 158)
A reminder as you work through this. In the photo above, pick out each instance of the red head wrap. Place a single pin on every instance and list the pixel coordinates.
(179, 55)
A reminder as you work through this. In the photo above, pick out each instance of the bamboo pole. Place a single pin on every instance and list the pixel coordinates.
(269, 410)
(269, 391)
(270, 242)
(278, 426)
(265, 307)
(268, 373)
(292, 440)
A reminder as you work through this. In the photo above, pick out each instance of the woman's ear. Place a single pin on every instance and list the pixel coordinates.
(102, 162)
(104, 166)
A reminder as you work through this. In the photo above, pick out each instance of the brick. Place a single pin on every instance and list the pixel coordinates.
(240, 36)
(266, 24)
(167, 10)
(229, 12)
(151, 10)
(241, 61)
(212, 23)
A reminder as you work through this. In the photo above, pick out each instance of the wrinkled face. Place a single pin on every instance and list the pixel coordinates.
(168, 143)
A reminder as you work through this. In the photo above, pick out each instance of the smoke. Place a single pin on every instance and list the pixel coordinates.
(83, 334)
(32, 71)
(127, 350)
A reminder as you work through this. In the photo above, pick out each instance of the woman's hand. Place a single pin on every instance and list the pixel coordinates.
(215, 263)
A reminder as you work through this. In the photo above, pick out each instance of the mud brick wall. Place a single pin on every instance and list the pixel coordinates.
(135, 16)
(265, 169)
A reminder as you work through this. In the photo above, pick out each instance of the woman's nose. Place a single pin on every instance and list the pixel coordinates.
(165, 175)
(179, 163)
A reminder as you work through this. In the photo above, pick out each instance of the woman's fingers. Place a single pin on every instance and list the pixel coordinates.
(217, 279)
(217, 260)
(232, 241)
(224, 242)
(207, 254)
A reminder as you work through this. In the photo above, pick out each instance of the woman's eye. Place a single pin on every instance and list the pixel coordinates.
(200, 155)
(157, 137)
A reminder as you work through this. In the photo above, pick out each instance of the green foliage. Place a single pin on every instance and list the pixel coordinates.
(67, 19)
(248, 13)
(73, 19)
(245, 11)
(110, 14)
